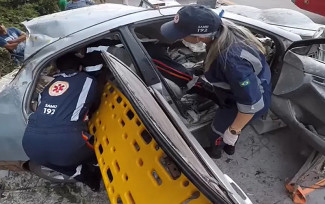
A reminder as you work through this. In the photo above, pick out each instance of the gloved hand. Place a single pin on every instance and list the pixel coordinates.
(229, 138)
(220, 96)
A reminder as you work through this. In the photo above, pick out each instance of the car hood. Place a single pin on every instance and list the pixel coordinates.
(286, 19)
(47, 29)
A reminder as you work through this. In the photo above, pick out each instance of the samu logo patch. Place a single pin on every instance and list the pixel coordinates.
(244, 83)
(58, 88)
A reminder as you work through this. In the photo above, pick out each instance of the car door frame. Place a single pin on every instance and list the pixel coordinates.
(189, 138)
(292, 112)
(229, 187)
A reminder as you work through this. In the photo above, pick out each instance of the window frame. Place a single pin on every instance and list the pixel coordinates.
(30, 91)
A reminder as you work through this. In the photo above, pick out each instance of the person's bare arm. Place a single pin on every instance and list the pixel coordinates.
(241, 120)
(239, 123)
(11, 46)
(20, 39)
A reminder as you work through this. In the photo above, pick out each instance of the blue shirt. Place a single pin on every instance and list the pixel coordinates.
(244, 71)
(65, 102)
(13, 34)
(78, 4)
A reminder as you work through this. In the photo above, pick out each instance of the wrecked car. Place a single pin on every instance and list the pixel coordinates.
(298, 78)
(287, 19)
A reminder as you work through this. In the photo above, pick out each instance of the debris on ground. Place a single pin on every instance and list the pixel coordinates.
(27, 188)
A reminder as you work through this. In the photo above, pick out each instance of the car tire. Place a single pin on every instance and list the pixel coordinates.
(49, 174)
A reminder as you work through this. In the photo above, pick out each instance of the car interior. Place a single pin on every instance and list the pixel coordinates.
(196, 112)
(90, 56)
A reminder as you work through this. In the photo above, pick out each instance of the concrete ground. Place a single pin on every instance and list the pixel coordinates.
(26, 188)
(263, 163)
(261, 166)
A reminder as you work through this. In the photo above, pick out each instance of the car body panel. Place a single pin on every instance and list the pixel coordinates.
(62, 42)
(40, 29)
(19, 89)
(299, 95)
(44, 51)
(46, 29)
(12, 124)
(287, 19)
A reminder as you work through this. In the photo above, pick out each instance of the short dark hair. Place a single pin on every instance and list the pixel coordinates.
(68, 61)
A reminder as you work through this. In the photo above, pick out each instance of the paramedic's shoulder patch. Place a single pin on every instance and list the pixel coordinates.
(245, 83)
(58, 88)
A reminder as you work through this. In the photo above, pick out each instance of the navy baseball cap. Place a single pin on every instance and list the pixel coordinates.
(192, 20)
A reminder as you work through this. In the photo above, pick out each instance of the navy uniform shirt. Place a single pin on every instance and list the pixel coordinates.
(65, 101)
(244, 71)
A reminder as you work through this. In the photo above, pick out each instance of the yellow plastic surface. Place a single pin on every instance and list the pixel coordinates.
(133, 162)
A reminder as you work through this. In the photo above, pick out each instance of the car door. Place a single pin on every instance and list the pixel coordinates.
(169, 133)
(299, 95)
(12, 121)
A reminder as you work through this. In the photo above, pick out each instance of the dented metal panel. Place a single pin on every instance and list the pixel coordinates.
(287, 19)
(47, 29)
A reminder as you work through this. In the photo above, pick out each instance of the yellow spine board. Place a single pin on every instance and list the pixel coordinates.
(131, 161)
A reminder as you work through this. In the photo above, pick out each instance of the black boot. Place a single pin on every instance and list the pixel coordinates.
(229, 149)
(92, 176)
(215, 151)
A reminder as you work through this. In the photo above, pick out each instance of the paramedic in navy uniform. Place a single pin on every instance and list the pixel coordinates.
(55, 134)
(234, 62)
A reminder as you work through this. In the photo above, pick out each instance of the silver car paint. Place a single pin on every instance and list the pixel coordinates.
(14, 100)
(43, 46)
(287, 19)
(47, 29)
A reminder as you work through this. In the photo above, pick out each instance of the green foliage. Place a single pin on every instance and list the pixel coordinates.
(12, 13)
(44, 7)
(6, 64)
(13, 17)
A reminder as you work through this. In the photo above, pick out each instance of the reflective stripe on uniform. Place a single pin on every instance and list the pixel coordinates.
(256, 63)
(82, 98)
(222, 85)
(253, 60)
(39, 99)
(66, 75)
(251, 109)
(93, 68)
(259, 83)
(215, 130)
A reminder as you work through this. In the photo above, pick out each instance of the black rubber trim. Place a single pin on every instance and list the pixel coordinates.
(307, 42)
(144, 66)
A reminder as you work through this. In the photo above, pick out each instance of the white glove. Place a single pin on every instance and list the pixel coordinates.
(229, 138)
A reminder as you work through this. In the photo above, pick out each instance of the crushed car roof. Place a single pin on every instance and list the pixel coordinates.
(67, 22)
(46, 30)
(287, 19)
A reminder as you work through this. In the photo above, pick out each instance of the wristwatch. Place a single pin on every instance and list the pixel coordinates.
(233, 131)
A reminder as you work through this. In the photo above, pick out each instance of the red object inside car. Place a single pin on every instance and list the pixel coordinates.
(315, 6)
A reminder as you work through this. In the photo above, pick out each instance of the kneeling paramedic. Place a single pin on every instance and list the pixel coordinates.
(234, 62)
(56, 134)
